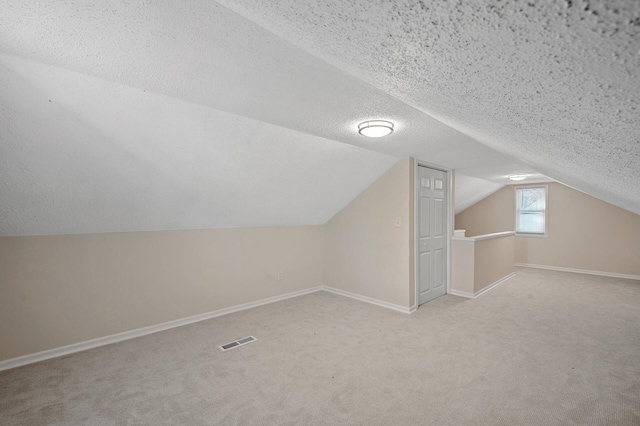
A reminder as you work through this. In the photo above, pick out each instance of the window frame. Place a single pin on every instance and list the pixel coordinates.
(517, 211)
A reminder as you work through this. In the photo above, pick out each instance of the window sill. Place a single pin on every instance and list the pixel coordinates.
(533, 235)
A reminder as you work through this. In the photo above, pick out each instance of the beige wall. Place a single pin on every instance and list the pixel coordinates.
(494, 260)
(584, 232)
(60, 290)
(477, 264)
(462, 265)
(364, 252)
(66, 289)
(489, 215)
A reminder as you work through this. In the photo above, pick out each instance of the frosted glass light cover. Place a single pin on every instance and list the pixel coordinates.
(375, 128)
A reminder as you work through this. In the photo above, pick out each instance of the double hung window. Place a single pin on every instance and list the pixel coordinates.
(531, 210)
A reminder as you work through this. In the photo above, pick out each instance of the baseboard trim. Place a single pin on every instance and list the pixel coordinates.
(462, 294)
(579, 271)
(371, 300)
(119, 337)
(484, 290)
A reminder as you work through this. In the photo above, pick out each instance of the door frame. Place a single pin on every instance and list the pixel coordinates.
(450, 205)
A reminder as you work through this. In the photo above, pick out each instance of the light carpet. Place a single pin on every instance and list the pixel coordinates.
(543, 348)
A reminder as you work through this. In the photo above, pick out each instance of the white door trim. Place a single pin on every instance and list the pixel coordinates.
(448, 171)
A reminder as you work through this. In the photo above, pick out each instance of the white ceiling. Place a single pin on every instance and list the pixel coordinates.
(119, 116)
(81, 154)
(469, 190)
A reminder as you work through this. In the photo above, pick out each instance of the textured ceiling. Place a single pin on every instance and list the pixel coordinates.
(555, 84)
(469, 190)
(120, 116)
(80, 154)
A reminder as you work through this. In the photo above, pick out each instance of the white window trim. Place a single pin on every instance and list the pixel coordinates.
(546, 212)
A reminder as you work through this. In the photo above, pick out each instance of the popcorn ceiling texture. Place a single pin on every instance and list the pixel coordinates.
(555, 84)
(470, 190)
(80, 154)
(199, 114)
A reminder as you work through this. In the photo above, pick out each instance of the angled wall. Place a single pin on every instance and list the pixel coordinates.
(585, 233)
(364, 252)
(65, 289)
(491, 214)
(60, 290)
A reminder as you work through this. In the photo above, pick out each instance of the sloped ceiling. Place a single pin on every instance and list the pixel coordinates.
(469, 190)
(555, 84)
(120, 116)
(87, 155)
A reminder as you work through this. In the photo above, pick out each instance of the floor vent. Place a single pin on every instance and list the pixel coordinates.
(237, 343)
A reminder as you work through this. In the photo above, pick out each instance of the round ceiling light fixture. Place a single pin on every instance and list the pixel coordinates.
(375, 128)
(517, 177)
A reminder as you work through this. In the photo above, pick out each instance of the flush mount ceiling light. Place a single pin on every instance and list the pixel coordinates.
(517, 177)
(375, 128)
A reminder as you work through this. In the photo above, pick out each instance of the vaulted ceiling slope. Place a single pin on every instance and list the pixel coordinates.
(470, 190)
(122, 116)
(555, 84)
(80, 154)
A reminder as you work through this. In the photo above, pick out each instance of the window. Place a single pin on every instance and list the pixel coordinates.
(531, 210)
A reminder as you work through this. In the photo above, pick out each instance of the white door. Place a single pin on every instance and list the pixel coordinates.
(432, 234)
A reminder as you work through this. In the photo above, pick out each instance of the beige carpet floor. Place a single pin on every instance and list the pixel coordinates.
(543, 348)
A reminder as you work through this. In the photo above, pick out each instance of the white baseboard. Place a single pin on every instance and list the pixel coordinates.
(388, 305)
(462, 294)
(484, 290)
(580, 271)
(119, 337)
